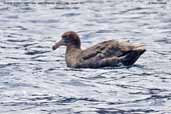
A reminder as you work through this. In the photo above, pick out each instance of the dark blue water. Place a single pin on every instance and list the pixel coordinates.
(35, 80)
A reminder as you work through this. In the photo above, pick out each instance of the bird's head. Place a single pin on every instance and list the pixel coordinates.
(69, 39)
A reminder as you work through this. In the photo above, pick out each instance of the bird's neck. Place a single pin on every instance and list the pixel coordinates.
(72, 55)
(72, 49)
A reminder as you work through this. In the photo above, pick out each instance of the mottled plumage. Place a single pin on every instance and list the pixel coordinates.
(105, 54)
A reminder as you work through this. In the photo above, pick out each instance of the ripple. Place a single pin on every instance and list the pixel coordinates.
(117, 111)
(16, 40)
(71, 14)
(45, 21)
(164, 40)
(35, 52)
(35, 79)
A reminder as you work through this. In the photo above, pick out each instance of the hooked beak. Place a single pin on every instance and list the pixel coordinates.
(58, 44)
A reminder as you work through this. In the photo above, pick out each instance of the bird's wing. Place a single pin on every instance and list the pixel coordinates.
(107, 49)
(106, 53)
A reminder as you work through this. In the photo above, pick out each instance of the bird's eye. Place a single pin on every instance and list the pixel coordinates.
(66, 40)
(64, 37)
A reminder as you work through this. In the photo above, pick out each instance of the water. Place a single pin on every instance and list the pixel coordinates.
(35, 80)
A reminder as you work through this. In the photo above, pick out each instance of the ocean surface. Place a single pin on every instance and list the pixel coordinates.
(35, 80)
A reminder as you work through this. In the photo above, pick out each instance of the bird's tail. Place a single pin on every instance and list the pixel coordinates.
(131, 57)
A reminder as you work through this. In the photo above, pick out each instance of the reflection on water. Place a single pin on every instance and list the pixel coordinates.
(35, 80)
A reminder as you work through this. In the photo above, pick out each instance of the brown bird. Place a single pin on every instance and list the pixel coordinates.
(105, 54)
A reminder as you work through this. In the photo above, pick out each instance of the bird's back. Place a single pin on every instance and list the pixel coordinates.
(107, 49)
